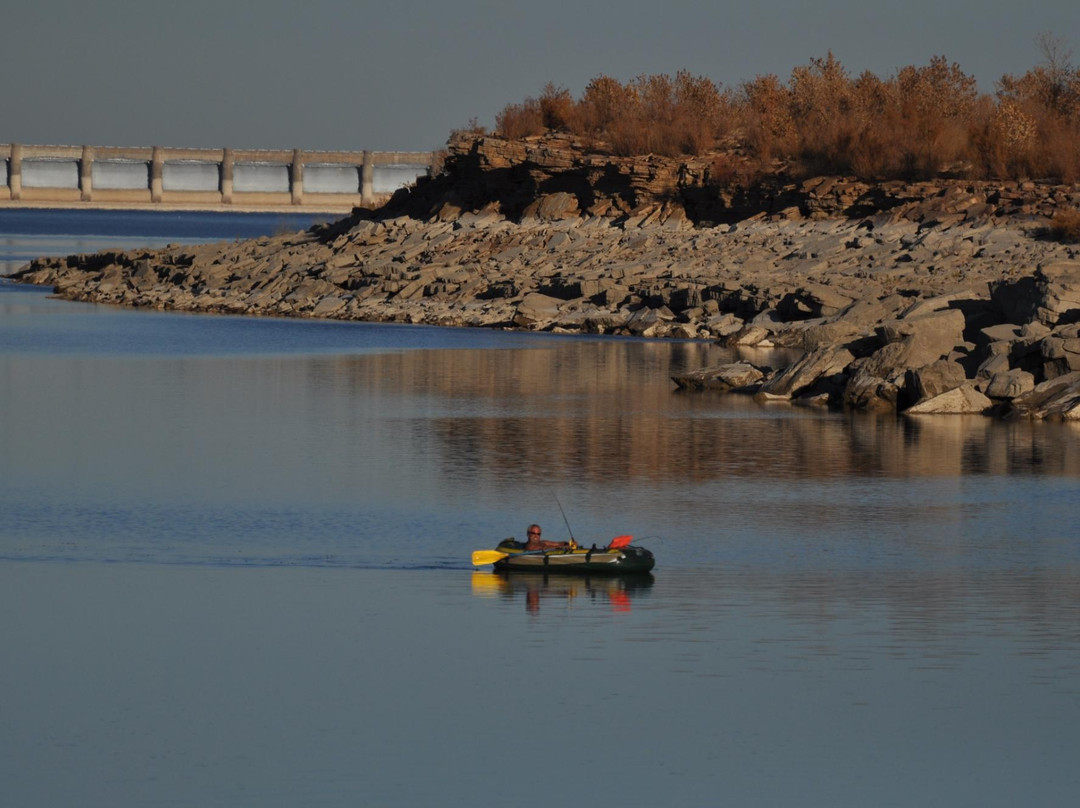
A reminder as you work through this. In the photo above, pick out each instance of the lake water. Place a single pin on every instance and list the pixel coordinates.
(234, 570)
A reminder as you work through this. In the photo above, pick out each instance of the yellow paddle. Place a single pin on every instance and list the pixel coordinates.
(481, 557)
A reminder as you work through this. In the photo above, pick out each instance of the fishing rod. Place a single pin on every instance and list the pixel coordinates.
(573, 541)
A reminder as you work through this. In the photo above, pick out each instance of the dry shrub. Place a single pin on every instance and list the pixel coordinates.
(704, 112)
(657, 114)
(602, 103)
(646, 126)
(1065, 226)
(520, 120)
(934, 104)
(822, 100)
(1048, 99)
(922, 122)
(557, 109)
(766, 116)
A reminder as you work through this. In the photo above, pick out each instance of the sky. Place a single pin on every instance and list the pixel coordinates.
(401, 74)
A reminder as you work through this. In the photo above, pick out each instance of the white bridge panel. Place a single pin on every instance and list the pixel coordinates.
(48, 173)
(120, 175)
(331, 179)
(261, 177)
(190, 176)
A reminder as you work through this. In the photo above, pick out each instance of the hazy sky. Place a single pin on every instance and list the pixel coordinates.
(333, 74)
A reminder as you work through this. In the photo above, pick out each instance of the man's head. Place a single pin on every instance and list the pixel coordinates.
(533, 531)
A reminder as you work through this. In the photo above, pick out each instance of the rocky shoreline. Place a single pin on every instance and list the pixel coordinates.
(928, 297)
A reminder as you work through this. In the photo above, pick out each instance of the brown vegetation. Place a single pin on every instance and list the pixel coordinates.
(1065, 226)
(921, 122)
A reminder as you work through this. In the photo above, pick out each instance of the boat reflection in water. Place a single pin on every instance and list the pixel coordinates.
(533, 588)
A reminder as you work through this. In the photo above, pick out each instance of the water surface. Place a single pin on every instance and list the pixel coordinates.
(234, 570)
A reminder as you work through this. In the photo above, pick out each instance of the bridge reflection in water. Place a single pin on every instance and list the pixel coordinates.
(203, 179)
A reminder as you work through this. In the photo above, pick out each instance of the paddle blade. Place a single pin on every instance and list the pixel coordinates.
(619, 541)
(481, 557)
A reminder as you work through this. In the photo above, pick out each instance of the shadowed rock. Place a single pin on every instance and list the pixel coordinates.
(734, 376)
(821, 366)
(963, 400)
(1056, 399)
(1010, 384)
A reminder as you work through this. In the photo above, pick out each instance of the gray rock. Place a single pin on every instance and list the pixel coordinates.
(930, 305)
(725, 377)
(552, 207)
(646, 322)
(748, 336)
(934, 379)
(1010, 384)
(1055, 399)
(536, 309)
(1004, 332)
(963, 400)
(867, 391)
(723, 325)
(823, 365)
(994, 364)
(814, 300)
(1060, 285)
(328, 306)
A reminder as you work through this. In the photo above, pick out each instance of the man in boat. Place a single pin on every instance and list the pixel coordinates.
(536, 543)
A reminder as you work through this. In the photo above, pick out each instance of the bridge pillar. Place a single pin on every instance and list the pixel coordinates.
(296, 178)
(367, 180)
(157, 169)
(15, 172)
(86, 174)
(227, 176)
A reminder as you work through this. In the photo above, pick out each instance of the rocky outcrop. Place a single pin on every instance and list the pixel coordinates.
(889, 297)
(556, 176)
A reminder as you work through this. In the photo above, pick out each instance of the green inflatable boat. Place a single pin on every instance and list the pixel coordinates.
(618, 558)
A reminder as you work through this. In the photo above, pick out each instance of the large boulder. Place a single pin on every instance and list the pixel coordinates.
(1060, 285)
(811, 334)
(734, 376)
(963, 400)
(1050, 295)
(928, 337)
(813, 300)
(821, 367)
(535, 310)
(1060, 356)
(910, 344)
(1055, 399)
(932, 380)
(649, 322)
(1010, 384)
(552, 208)
(867, 391)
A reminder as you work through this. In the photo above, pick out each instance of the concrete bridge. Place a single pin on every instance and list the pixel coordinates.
(203, 179)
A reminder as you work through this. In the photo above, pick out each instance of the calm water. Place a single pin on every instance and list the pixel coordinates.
(234, 571)
(27, 233)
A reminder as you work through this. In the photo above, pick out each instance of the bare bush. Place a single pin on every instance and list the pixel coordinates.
(520, 120)
(921, 122)
(1065, 226)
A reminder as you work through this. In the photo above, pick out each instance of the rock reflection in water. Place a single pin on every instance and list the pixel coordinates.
(605, 411)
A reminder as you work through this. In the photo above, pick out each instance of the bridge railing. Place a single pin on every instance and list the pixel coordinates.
(251, 179)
